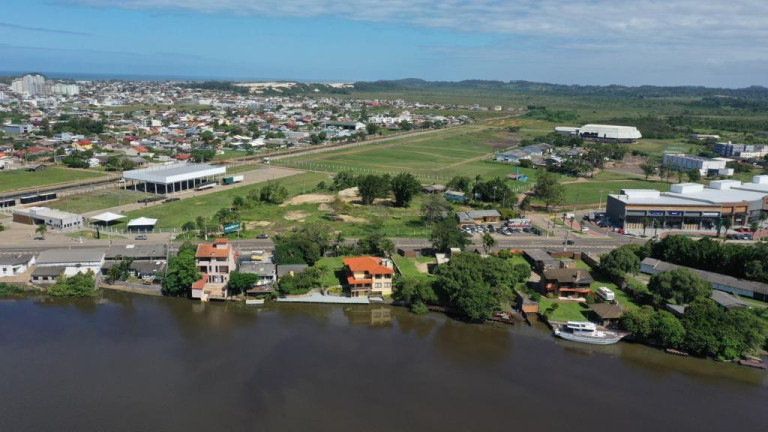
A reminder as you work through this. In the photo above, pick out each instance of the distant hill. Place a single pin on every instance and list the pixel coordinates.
(755, 93)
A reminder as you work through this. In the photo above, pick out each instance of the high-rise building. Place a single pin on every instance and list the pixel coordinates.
(35, 85)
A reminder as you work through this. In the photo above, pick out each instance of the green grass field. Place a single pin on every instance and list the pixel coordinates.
(589, 192)
(20, 179)
(408, 268)
(97, 200)
(333, 268)
(566, 311)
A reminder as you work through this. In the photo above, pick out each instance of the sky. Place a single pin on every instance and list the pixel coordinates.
(713, 43)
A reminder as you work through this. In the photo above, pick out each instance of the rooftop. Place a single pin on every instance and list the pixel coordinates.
(368, 264)
(714, 278)
(174, 172)
(69, 256)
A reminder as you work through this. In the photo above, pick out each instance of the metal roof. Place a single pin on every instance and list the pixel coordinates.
(51, 257)
(142, 221)
(107, 217)
(174, 172)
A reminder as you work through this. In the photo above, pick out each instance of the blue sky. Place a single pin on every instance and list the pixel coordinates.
(633, 42)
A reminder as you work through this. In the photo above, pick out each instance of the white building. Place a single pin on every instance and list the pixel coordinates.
(705, 166)
(53, 263)
(51, 218)
(598, 132)
(174, 177)
(14, 265)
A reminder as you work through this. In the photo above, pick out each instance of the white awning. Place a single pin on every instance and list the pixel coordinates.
(142, 221)
(107, 217)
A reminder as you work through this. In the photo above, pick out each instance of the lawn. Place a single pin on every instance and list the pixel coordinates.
(408, 267)
(589, 192)
(622, 297)
(334, 267)
(98, 200)
(566, 311)
(19, 179)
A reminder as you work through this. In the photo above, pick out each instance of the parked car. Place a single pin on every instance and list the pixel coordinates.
(141, 237)
(262, 236)
(167, 200)
(568, 242)
(584, 229)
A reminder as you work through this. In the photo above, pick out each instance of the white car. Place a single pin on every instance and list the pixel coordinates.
(584, 229)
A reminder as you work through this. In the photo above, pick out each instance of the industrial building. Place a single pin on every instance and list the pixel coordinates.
(689, 206)
(51, 218)
(704, 165)
(747, 151)
(174, 177)
(605, 133)
(68, 262)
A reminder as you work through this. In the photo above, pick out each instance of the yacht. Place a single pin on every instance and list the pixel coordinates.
(586, 332)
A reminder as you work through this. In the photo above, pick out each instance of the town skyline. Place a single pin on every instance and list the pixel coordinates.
(586, 43)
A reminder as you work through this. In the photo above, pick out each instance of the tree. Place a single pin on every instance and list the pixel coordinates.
(182, 272)
(638, 322)
(200, 156)
(648, 169)
(416, 292)
(474, 285)
(461, 184)
(646, 222)
(373, 186)
(549, 189)
(121, 271)
(344, 180)
(694, 175)
(301, 282)
(41, 229)
(372, 128)
(434, 208)
(238, 202)
(680, 285)
(753, 226)
(446, 235)
(273, 193)
(404, 186)
(488, 242)
(226, 216)
(376, 244)
(495, 191)
(241, 282)
(189, 226)
(525, 204)
(668, 331)
(727, 224)
(79, 285)
(619, 262)
(338, 206)
(207, 136)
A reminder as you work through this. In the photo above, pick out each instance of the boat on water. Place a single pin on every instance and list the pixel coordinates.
(254, 302)
(586, 332)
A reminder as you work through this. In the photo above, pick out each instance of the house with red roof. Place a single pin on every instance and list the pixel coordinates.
(369, 276)
(214, 261)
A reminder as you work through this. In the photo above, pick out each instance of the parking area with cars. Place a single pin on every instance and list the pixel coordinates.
(506, 228)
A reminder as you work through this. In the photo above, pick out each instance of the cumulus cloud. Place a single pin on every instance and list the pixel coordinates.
(680, 21)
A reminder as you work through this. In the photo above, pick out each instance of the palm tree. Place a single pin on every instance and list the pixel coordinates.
(646, 222)
(488, 242)
(727, 224)
(41, 229)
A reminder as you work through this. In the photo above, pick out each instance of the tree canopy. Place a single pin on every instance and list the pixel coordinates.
(182, 272)
(681, 285)
(404, 187)
(446, 235)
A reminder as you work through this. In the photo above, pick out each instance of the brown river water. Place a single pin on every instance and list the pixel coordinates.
(133, 363)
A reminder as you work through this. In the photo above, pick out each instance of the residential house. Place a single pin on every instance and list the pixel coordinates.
(606, 314)
(473, 217)
(214, 262)
(455, 196)
(567, 282)
(513, 156)
(14, 265)
(369, 276)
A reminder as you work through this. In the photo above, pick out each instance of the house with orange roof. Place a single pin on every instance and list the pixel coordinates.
(214, 261)
(369, 276)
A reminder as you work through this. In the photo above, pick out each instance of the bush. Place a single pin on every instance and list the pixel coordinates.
(79, 285)
(8, 290)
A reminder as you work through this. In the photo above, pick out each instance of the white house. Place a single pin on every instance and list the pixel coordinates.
(13, 265)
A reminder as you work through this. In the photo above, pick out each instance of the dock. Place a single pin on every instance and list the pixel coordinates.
(323, 299)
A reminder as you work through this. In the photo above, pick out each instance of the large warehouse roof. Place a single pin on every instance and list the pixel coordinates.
(611, 131)
(175, 172)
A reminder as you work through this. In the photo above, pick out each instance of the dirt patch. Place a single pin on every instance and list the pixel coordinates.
(255, 224)
(349, 193)
(347, 218)
(295, 216)
(308, 199)
(421, 267)
(324, 207)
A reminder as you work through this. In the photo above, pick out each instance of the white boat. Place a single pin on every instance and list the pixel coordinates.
(586, 332)
(254, 302)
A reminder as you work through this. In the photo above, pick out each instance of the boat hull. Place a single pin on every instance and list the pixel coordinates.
(589, 339)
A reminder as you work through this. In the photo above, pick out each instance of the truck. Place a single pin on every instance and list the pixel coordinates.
(232, 179)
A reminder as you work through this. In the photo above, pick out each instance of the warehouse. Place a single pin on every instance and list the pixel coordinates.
(603, 133)
(687, 206)
(51, 218)
(704, 165)
(172, 178)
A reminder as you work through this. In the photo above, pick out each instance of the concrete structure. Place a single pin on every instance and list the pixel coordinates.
(720, 282)
(369, 276)
(728, 149)
(14, 265)
(17, 129)
(705, 166)
(53, 263)
(139, 252)
(51, 218)
(214, 262)
(473, 217)
(598, 132)
(174, 177)
(690, 206)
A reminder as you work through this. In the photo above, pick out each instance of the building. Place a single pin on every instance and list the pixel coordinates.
(455, 196)
(266, 271)
(369, 276)
(14, 265)
(720, 282)
(53, 263)
(689, 206)
(141, 224)
(728, 149)
(51, 218)
(605, 133)
(473, 217)
(289, 269)
(353, 126)
(174, 177)
(434, 189)
(513, 156)
(606, 314)
(567, 282)
(214, 262)
(705, 166)
(17, 129)
(701, 137)
(539, 259)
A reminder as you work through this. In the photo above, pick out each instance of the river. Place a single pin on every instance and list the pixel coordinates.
(133, 363)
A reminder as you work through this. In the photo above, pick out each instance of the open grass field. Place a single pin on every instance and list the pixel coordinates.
(20, 179)
(566, 311)
(594, 192)
(408, 267)
(334, 267)
(97, 200)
